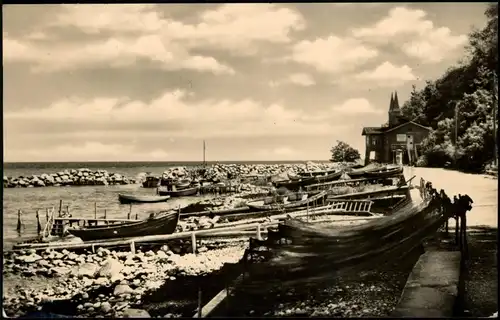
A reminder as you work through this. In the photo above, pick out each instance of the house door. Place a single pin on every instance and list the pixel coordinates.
(399, 157)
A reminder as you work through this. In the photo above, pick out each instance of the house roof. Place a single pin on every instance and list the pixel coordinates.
(407, 123)
(372, 130)
(381, 130)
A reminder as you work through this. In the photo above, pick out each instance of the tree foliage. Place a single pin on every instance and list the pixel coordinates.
(464, 94)
(343, 152)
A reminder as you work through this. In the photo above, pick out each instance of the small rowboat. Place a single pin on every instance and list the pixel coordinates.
(385, 173)
(130, 198)
(317, 173)
(178, 193)
(260, 205)
(295, 184)
(163, 224)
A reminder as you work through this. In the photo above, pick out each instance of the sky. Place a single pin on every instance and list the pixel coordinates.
(150, 82)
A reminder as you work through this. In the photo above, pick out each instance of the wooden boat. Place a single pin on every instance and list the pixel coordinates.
(150, 182)
(178, 193)
(294, 184)
(332, 176)
(361, 172)
(261, 205)
(317, 173)
(130, 198)
(385, 173)
(162, 224)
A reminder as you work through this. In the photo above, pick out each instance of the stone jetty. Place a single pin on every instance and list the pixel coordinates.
(73, 177)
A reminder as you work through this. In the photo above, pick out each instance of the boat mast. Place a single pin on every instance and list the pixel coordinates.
(204, 148)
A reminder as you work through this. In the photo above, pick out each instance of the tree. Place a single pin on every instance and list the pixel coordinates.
(343, 152)
(458, 106)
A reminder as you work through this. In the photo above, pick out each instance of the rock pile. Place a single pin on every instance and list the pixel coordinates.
(127, 276)
(73, 177)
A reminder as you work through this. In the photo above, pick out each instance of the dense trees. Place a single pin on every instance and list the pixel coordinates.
(343, 152)
(459, 106)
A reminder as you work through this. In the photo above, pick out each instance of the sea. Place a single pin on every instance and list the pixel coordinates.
(81, 201)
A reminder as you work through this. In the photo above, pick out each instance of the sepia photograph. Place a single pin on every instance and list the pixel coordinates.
(173, 160)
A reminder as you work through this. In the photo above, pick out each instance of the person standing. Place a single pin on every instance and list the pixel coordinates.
(465, 204)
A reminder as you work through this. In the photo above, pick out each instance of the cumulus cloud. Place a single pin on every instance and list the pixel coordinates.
(418, 35)
(388, 75)
(90, 151)
(356, 106)
(123, 34)
(300, 79)
(332, 54)
(172, 115)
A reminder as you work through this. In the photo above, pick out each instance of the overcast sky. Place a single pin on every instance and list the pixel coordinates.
(256, 81)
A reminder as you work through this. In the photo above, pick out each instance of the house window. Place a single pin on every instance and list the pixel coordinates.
(374, 141)
(401, 138)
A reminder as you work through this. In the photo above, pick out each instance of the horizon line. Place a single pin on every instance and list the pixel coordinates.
(163, 161)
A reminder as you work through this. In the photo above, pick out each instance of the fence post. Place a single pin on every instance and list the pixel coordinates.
(95, 210)
(129, 212)
(193, 242)
(19, 222)
(132, 246)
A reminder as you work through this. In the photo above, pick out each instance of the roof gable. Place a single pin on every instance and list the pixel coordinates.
(371, 130)
(407, 123)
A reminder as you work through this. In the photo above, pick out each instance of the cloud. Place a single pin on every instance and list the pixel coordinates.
(300, 79)
(90, 151)
(388, 75)
(171, 115)
(418, 36)
(356, 106)
(112, 52)
(124, 35)
(332, 54)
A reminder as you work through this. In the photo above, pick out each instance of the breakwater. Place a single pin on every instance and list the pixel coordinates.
(70, 177)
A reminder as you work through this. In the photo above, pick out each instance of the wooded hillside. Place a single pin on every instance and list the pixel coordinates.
(469, 88)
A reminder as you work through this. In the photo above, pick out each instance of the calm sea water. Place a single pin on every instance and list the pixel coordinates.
(80, 200)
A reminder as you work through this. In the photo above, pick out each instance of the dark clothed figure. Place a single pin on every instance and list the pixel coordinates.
(465, 204)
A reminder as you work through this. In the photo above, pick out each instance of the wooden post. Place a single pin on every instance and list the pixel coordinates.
(67, 210)
(199, 301)
(19, 222)
(258, 232)
(105, 215)
(38, 225)
(132, 247)
(95, 210)
(129, 212)
(60, 207)
(136, 216)
(193, 242)
(47, 215)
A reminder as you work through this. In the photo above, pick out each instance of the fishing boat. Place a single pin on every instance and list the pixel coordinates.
(162, 191)
(161, 224)
(130, 198)
(150, 182)
(361, 172)
(384, 173)
(263, 204)
(317, 173)
(294, 184)
(332, 176)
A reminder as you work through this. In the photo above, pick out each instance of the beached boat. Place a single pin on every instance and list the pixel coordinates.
(294, 184)
(150, 182)
(317, 173)
(361, 172)
(162, 191)
(162, 224)
(130, 198)
(263, 205)
(332, 176)
(384, 173)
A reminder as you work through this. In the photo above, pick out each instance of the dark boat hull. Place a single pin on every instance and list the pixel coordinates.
(162, 225)
(179, 193)
(127, 198)
(384, 174)
(303, 182)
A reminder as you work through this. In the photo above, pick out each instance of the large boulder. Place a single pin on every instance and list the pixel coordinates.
(111, 268)
(87, 269)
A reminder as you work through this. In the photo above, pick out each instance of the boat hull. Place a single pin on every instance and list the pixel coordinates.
(162, 225)
(129, 198)
(256, 206)
(178, 193)
(384, 174)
